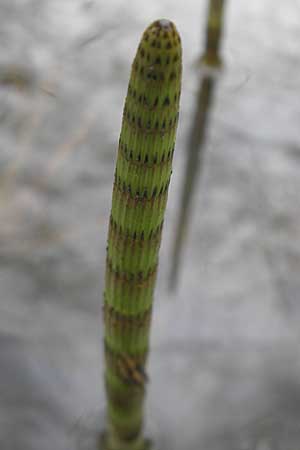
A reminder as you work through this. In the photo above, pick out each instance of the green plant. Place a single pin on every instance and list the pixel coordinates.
(142, 178)
(214, 30)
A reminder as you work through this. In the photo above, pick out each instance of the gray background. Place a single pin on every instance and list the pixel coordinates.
(224, 366)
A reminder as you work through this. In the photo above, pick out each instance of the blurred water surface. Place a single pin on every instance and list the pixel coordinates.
(224, 367)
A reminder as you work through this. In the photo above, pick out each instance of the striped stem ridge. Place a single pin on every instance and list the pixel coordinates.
(142, 177)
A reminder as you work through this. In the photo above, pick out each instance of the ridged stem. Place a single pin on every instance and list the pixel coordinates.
(140, 190)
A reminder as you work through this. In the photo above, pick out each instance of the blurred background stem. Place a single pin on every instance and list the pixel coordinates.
(210, 66)
(214, 33)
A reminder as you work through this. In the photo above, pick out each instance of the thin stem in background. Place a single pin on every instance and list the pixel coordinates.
(211, 61)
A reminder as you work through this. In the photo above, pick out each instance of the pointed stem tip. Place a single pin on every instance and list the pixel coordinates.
(164, 23)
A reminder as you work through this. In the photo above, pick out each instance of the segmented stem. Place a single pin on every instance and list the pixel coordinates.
(139, 199)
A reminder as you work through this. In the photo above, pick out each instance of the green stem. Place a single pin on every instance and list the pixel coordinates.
(214, 30)
(139, 199)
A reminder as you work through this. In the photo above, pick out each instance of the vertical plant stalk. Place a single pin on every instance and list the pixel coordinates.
(214, 32)
(210, 63)
(140, 190)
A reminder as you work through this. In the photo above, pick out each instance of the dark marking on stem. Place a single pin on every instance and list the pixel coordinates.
(138, 279)
(120, 240)
(126, 192)
(130, 368)
(135, 236)
(166, 101)
(172, 76)
(126, 154)
(144, 102)
(149, 129)
(140, 356)
(137, 321)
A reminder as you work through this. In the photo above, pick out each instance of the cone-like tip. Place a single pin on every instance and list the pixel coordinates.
(165, 23)
(162, 24)
(159, 56)
(162, 28)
